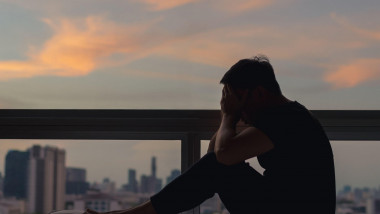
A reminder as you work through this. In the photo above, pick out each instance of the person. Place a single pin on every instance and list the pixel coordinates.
(288, 141)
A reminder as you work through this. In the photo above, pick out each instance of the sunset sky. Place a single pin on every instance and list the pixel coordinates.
(165, 54)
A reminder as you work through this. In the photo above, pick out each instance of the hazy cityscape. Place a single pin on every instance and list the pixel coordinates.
(38, 181)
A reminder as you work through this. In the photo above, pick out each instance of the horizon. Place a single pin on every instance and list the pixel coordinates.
(360, 172)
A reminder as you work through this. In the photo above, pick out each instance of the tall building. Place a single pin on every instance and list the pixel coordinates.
(158, 185)
(46, 179)
(132, 185)
(76, 181)
(15, 180)
(151, 184)
(153, 167)
(145, 184)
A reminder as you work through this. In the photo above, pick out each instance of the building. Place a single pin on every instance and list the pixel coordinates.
(15, 180)
(12, 206)
(46, 179)
(153, 167)
(132, 185)
(373, 206)
(151, 184)
(107, 186)
(98, 201)
(174, 173)
(9, 209)
(145, 184)
(76, 181)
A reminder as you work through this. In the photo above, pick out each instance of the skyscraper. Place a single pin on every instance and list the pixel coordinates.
(151, 184)
(46, 179)
(132, 185)
(76, 181)
(15, 180)
(153, 167)
(145, 186)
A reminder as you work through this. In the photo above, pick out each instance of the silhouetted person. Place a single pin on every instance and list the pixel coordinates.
(287, 139)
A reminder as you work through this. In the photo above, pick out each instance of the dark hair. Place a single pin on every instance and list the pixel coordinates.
(252, 72)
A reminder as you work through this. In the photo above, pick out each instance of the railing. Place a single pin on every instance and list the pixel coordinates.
(189, 126)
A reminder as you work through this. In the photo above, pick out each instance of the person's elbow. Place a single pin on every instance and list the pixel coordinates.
(223, 157)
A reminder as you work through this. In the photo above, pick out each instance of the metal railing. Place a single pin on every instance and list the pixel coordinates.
(189, 126)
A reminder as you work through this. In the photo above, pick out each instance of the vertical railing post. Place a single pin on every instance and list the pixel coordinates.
(190, 153)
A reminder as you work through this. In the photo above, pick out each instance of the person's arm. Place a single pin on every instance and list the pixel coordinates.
(231, 147)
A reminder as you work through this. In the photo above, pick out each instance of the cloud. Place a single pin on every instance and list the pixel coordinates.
(226, 45)
(354, 73)
(229, 6)
(367, 33)
(175, 76)
(156, 5)
(77, 47)
(238, 6)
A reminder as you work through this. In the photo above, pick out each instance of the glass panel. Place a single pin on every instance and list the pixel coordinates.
(357, 176)
(159, 54)
(214, 205)
(77, 174)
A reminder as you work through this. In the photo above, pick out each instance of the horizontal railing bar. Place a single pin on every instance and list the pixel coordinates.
(109, 113)
(117, 124)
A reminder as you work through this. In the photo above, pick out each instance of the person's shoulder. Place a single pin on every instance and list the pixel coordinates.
(294, 107)
(288, 108)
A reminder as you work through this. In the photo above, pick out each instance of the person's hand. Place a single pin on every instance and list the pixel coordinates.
(230, 103)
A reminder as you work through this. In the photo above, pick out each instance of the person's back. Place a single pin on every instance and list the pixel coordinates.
(300, 168)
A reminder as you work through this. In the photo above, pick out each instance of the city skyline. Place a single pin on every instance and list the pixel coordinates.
(362, 199)
(161, 173)
(359, 170)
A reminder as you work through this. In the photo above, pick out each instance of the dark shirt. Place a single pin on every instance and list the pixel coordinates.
(300, 167)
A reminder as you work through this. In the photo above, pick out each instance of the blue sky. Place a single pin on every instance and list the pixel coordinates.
(147, 54)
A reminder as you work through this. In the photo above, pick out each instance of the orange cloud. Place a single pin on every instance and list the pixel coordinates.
(223, 5)
(77, 48)
(156, 5)
(237, 6)
(355, 73)
(373, 34)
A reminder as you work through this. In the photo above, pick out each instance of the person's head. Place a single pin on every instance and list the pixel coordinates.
(252, 73)
(255, 75)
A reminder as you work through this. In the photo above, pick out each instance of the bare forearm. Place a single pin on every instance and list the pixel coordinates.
(226, 132)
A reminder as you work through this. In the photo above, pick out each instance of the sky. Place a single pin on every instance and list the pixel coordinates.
(150, 54)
